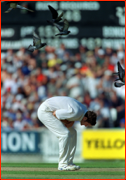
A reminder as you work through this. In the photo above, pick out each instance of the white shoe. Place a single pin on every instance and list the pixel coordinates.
(76, 167)
(67, 168)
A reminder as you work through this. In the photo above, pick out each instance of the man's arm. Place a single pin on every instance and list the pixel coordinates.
(66, 123)
(66, 113)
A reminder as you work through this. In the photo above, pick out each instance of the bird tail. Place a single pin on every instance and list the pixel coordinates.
(57, 34)
(43, 44)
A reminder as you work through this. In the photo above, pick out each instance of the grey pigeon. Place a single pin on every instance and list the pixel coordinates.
(63, 29)
(55, 17)
(14, 5)
(36, 43)
(121, 76)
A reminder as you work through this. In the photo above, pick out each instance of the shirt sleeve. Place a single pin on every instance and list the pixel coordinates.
(65, 113)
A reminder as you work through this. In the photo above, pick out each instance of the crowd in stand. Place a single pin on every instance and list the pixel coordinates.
(27, 79)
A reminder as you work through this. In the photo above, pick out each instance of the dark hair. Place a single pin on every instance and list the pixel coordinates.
(91, 117)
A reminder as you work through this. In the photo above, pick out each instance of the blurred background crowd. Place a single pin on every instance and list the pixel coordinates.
(27, 79)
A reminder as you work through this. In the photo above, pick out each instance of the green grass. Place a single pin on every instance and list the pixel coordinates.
(86, 164)
(64, 173)
(89, 170)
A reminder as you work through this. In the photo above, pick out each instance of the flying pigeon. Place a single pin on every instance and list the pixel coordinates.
(36, 43)
(14, 5)
(55, 17)
(121, 76)
(63, 29)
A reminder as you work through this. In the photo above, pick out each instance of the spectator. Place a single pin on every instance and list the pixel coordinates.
(100, 57)
(122, 123)
(105, 83)
(82, 51)
(100, 119)
(119, 104)
(27, 79)
(105, 112)
(76, 86)
(20, 124)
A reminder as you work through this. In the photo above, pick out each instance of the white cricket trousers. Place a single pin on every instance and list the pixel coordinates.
(67, 137)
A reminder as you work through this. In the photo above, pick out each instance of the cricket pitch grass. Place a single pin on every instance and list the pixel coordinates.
(89, 170)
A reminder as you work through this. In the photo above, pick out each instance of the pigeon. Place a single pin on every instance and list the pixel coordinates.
(63, 29)
(14, 5)
(36, 43)
(121, 76)
(55, 17)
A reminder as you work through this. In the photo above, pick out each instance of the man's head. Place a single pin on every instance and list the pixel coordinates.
(89, 119)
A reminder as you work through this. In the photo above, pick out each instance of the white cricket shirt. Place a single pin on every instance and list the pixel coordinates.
(66, 108)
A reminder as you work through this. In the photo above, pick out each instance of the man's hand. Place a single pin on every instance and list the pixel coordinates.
(54, 114)
(67, 123)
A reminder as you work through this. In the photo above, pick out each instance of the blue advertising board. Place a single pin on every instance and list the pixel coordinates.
(20, 142)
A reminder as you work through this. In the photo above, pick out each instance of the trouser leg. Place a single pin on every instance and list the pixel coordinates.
(62, 133)
(73, 143)
(64, 149)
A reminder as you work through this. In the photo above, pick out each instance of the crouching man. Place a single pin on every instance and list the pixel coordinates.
(58, 114)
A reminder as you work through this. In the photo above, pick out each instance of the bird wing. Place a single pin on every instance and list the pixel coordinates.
(21, 7)
(66, 25)
(59, 17)
(36, 39)
(121, 71)
(55, 24)
(119, 66)
(53, 11)
(58, 26)
(8, 10)
(35, 35)
(31, 48)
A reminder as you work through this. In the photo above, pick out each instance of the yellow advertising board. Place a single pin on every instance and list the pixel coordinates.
(103, 144)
